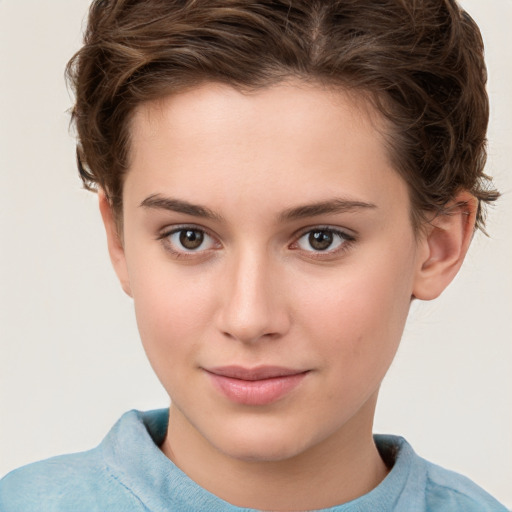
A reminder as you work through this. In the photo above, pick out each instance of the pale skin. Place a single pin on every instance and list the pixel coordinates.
(254, 178)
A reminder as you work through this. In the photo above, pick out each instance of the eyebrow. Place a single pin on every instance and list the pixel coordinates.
(332, 206)
(325, 207)
(177, 205)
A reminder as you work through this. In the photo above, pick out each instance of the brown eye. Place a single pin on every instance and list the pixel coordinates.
(191, 239)
(327, 240)
(188, 240)
(320, 240)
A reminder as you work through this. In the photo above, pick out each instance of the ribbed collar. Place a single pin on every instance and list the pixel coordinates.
(131, 451)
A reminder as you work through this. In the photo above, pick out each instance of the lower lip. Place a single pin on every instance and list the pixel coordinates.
(256, 392)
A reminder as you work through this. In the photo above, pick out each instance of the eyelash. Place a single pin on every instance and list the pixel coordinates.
(164, 237)
(346, 239)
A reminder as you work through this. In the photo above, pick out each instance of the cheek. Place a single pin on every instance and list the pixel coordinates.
(166, 294)
(360, 312)
(172, 310)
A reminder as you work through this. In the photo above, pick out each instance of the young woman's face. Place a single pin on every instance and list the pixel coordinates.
(269, 251)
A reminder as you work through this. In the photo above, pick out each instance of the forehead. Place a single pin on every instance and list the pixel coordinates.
(209, 140)
(289, 105)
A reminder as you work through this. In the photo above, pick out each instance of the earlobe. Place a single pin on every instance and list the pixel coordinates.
(445, 245)
(114, 242)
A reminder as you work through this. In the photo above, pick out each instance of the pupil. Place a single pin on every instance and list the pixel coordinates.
(320, 240)
(191, 239)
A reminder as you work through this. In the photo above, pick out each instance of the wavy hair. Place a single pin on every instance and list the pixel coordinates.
(420, 61)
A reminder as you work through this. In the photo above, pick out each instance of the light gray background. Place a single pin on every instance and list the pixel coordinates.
(70, 359)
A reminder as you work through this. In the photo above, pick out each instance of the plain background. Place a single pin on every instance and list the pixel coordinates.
(70, 359)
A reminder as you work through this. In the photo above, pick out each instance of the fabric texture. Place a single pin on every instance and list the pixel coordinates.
(127, 472)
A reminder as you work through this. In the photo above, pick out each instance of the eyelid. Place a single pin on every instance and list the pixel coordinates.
(344, 232)
(348, 236)
(165, 233)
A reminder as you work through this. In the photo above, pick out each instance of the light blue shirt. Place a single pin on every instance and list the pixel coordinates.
(127, 472)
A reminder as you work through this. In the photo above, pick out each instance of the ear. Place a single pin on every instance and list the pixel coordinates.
(445, 245)
(114, 242)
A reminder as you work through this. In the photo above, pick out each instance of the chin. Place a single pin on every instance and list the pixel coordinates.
(261, 452)
(262, 445)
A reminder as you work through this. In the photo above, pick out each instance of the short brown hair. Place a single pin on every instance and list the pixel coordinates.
(421, 62)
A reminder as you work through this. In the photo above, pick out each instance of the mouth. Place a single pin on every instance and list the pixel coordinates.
(262, 385)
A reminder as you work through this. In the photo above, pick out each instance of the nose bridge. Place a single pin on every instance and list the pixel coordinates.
(251, 308)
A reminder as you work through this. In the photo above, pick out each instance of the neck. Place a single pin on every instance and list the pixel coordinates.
(336, 470)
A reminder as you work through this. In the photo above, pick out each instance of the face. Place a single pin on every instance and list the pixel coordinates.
(270, 255)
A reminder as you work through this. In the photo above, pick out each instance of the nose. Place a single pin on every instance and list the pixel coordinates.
(253, 305)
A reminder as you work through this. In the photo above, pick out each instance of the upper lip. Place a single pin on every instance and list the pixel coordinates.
(257, 373)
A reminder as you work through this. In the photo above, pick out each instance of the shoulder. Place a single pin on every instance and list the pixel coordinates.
(426, 487)
(109, 477)
(447, 490)
(77, 482)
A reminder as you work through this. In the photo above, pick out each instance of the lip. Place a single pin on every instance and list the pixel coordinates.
(262, 385)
